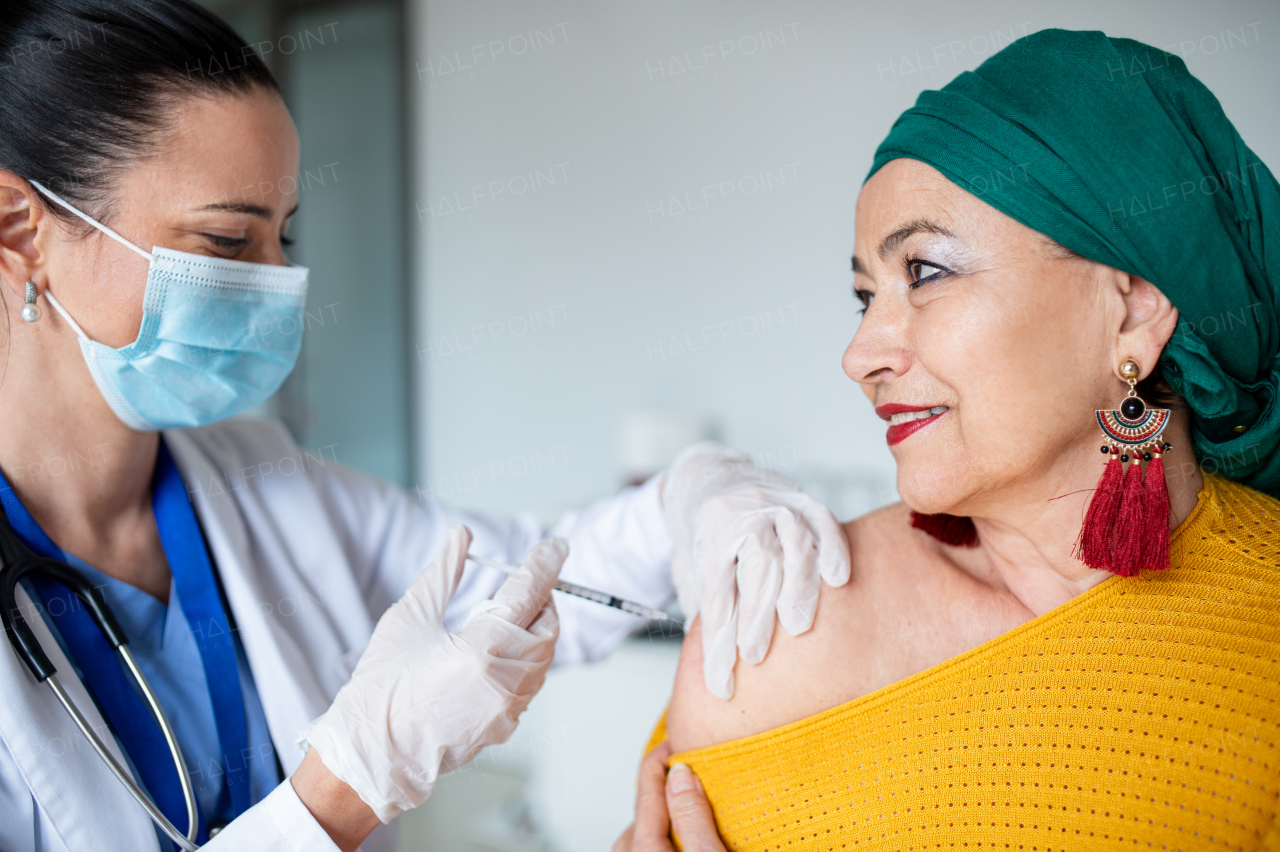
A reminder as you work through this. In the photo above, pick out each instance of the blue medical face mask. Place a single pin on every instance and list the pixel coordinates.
(217, 337)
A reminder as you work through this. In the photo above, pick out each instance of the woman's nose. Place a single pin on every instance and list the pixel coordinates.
(879, 349)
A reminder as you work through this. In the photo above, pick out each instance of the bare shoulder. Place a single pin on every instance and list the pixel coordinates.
(854, 647)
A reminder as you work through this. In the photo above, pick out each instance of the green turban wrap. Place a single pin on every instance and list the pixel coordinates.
(1111, 148)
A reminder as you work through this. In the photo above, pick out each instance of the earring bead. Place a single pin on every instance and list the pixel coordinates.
(30, 310)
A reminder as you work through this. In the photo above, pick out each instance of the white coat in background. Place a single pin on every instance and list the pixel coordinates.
(310, 554)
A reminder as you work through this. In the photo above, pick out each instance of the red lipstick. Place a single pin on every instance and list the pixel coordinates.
(901, 431)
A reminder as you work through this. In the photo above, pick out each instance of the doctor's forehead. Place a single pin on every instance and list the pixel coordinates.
(219, 148)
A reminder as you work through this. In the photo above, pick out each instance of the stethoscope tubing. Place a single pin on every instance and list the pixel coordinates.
(175, 750)
(187, 841)
(19, 562)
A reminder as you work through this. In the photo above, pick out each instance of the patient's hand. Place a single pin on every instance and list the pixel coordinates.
(669, 801)
(907, 608)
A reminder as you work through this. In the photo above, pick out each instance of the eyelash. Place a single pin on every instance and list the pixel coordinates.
(865, 296)
(230, 243)
(911, 261)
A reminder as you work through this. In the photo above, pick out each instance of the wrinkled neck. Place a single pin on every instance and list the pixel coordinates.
(1027, 538)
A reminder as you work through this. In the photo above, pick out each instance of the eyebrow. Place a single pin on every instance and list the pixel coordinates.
(891, 243)
(250, 209)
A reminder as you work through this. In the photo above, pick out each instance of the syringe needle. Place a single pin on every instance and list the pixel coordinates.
(583, 592)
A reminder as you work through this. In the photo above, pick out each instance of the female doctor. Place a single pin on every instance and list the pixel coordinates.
(316, 678)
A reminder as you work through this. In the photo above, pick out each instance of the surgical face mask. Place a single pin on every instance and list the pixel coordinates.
(217, 337)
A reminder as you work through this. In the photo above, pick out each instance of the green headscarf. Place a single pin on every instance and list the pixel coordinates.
(1114, 150)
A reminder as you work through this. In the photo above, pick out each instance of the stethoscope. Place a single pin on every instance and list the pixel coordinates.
(16, 562)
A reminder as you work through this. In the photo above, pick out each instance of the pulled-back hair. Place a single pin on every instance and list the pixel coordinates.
(86, 84)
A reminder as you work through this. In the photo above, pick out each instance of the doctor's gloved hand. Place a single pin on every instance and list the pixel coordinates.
(748, 543)
(423, 701)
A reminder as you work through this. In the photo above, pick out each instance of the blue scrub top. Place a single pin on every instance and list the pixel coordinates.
(161, 641)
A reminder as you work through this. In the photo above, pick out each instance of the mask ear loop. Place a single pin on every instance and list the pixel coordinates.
(92, 221)
(57, 306)
(48, 293)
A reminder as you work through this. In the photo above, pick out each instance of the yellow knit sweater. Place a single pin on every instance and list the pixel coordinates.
(1143, 714)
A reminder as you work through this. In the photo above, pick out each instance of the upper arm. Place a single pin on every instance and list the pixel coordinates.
(853, 648)
(800, 676)
(695, 716)
(905, 609)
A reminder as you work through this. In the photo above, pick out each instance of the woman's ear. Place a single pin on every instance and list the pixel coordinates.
(22, 218)
(1149, 321)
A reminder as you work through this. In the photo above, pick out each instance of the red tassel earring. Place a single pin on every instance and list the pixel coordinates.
(1156, 553)
(1126, 527)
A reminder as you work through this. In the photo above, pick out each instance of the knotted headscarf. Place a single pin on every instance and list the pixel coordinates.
(1111, 148)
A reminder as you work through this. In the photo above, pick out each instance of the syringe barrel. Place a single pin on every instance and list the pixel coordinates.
(584, 592)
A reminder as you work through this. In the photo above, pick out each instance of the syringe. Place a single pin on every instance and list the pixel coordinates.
(583, 592)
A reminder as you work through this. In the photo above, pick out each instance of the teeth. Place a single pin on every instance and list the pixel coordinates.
(908, 416)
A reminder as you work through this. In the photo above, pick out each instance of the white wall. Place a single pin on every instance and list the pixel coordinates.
(645, 302)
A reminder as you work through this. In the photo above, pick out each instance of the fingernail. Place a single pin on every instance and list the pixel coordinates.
(680, 779)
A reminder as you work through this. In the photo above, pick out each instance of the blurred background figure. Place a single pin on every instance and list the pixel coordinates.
(609, 230)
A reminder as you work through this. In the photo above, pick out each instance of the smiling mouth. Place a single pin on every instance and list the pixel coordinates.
(905, 420)
(923, 414)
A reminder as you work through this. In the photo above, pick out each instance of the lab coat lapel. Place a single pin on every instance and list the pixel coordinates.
(88, 806)
(294, 658)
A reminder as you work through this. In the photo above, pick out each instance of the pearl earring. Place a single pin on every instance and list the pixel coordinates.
(30, 311)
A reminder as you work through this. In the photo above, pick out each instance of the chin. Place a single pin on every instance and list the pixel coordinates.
(934, 482)
(929, 501)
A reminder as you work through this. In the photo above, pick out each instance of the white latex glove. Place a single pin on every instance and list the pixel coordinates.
(748, 543)
(422, 701)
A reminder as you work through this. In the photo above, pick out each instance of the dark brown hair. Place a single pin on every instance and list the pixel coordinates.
(85, 85)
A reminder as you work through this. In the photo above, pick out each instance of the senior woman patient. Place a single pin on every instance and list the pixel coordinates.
(1066, 636)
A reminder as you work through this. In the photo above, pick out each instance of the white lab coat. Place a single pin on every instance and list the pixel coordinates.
(310, 554)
